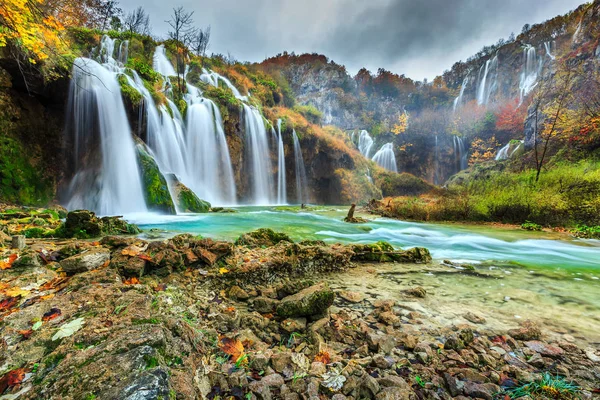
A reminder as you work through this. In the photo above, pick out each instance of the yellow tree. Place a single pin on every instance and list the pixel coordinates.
(401, 124)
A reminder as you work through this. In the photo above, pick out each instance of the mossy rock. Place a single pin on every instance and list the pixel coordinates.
(385, 252)
(189, 202)
(130, 94)
(156, 189)
(311, 301)
(84, 224)
(263, 237)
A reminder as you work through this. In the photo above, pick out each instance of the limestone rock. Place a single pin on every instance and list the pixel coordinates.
(314, 300)
(86, 261)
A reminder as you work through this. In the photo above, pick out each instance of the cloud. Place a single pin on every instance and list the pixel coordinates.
(419, 38)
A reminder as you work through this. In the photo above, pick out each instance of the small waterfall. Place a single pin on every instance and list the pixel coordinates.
(531, 69)
(488, 81)
(161, 63)
(503, 153)
(281, 183)
(577, 33)
(460, 153)
(548, 46)
(386, 158)
(508, 151)
(257, 145)
(213, 78)
(459, 99)
(365, 143)
(107, 179)
(301, 181)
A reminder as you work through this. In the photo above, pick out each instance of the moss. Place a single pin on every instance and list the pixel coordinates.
(310, 112)
(35, 233)
(392, 184)
(156, 190)
(314, 300)
(262, 237)
(130, 94)
(222, 96)
(385, 252)
(189, 202)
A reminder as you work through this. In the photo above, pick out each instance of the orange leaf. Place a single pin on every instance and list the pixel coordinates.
(145, 257)
(323, 357)
(233, 347)
(230, 310)
(13, 378)
(161, 287)
(131, 281)
(26, 334)
(7, 263)
(9, 302)
(50, 315)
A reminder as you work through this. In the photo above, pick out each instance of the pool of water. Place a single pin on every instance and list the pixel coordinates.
(459, 243)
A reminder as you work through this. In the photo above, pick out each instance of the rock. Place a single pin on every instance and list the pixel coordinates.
(545, 349)
(452, 385)
(381, 343)
(206, 256)
(280, 361)
(273, 380)
(317, 368)
(185, 199)
(86, 261)
(416, 292)
(382, 362)
(165, 261)
(260, 362)
(265, 305)
(18, 242)
(481, 390)
(238, 293)
(537, 361)
(591, 355)
(294, 325)
(262, 238)
(474, 318)
(527, 331)
(385, 252)
(117, 241)
(314, 300)
(351, 297)
(389, 318)
(393, 381)
(369, 387)
(393, 393)
(156, 189)
(128, 267)
(84, 224)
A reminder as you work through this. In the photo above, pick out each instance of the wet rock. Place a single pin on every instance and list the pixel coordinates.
(86, 261)
(474, 318)
(185, 199)
(481, 390)
(294, 325)
(265, 305)
(527, 331)
(262, 238)
(351, 297)
(84, 224)
(385, 252)
(416, 292)
(314, 300)
(152, 384)
(545, 349)
(118, 241)
(237, 293)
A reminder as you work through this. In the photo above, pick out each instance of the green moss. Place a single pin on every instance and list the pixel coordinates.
(262, 237)
(531, 226)
(310, 112)
(156, 190)
(189, 202)
(392, 184)
(129, 93)
(143, 69)
(222, 96)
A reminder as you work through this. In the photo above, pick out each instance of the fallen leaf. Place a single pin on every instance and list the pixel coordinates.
(69, 328)
(131, 281)
(56, 284)
(9, 302)
(230, 310)
(323, 357)
(11, 379)
(50, 315)
(161, 287)
(26, 333)
(145, 257)
(223, 270)
(37, 325)
(217, 299)
(14, 292)
(7, 262)
(131, 251)
(233, 347)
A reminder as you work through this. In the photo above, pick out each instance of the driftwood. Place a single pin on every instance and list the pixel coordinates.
(350, 218)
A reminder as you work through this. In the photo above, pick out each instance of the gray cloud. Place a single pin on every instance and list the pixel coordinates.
(419, 38)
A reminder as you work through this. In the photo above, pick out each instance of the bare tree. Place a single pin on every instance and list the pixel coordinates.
(200, 39)
(181, 33)
(108, 10)
(138, 22)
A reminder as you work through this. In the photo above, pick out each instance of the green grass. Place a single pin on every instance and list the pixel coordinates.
(548, 387)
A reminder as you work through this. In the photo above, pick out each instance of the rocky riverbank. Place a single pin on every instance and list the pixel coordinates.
(261, 318)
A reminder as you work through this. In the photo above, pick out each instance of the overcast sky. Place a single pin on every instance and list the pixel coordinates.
(419, 38)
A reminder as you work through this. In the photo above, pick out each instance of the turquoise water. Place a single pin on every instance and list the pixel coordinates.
(459, 243)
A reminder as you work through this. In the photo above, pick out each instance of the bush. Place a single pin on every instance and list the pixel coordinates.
(310, 112)
(531, 226)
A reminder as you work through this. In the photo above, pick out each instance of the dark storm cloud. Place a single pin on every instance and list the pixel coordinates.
(420, 38)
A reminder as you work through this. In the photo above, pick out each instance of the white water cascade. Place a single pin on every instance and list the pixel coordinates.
(459, 100)
(508, 151)
(281, 183)
(161, 64)
(488, 81)
(365, 143)
(213, 78)
(548, 46)
(532, 67)
(257, 147)
(460, 153)
(107, 183)
(301, 181)
(386, 158)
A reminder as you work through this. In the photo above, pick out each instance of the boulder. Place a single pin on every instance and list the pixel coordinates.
(527, 331)
(156, 189)
(385, 252)
(87, 261)
(314, 300)
(84, 224)
(185, 199)
(128, 266)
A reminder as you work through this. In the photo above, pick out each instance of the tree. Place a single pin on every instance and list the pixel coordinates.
(181, 32)
(138, 22)
(108, 11)
(401, 124)
(200, 39)
(510, 118)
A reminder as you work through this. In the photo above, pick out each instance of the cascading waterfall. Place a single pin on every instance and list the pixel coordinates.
(531, 69)
(257, 145)
(213, 78)
(281, 183)
(108, 183)
(460, 153)
(161, 64)
(548, 46)
(386, 158)
(301, 181)
(365, 143)
(458, 100)
(506, 152)
(488, 81)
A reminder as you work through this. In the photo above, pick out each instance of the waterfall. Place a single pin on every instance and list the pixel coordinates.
(386, 158)
(531, 70)
(365, 143)
(577, 31)
(301, 181)
(281, 184)
(213, 78)
(107, 179)
(458, 100)
(506, 152)
(257, 147)
(460, 153)
(548, 46)
(488, 81)
(161, 64)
